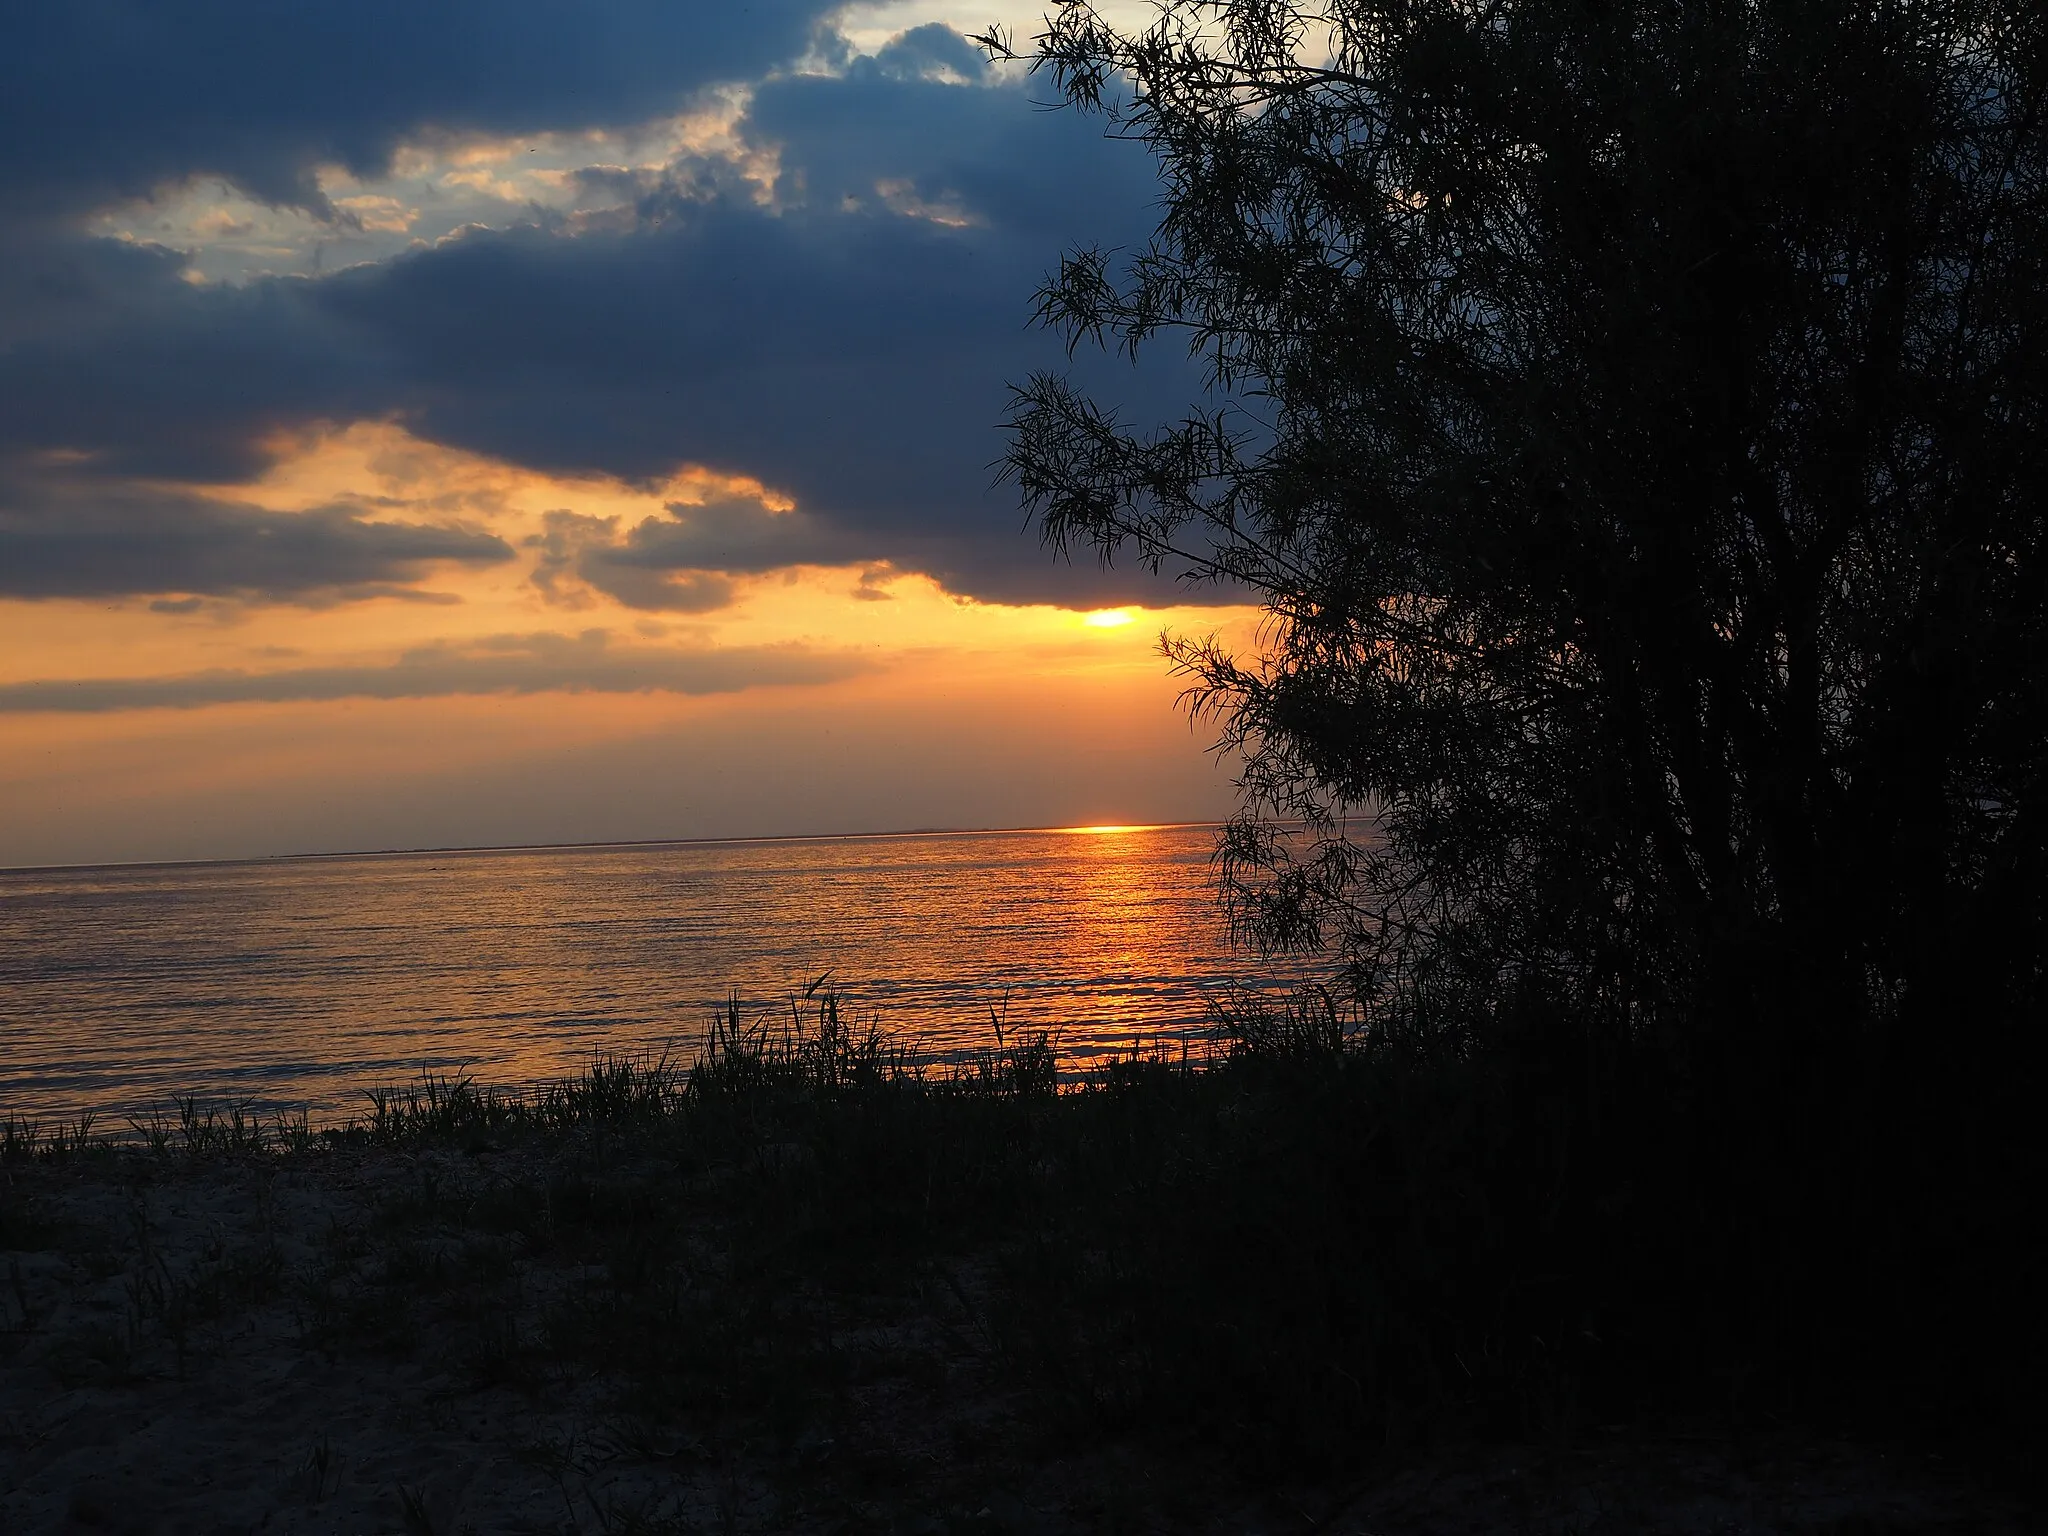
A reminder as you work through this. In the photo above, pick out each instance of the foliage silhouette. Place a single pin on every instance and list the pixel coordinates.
(1631, 416)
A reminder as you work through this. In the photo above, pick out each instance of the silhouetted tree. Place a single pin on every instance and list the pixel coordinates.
(1631, 415)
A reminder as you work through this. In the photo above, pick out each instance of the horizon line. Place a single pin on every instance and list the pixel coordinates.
(600, 843)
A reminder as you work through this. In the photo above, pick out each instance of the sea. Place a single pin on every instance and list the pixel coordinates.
(301, 983)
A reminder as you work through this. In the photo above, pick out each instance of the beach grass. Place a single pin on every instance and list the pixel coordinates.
(1292, 1254)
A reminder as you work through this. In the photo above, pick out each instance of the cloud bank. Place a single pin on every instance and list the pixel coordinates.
(100, 540)
(507, 664)
(106, 101)
(843, 331)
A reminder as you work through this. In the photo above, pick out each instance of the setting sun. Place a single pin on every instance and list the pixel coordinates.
(1107, 618)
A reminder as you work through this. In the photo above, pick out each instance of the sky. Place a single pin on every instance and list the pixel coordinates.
(461, 424)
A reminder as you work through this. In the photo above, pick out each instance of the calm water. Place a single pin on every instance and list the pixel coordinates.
(305, 980)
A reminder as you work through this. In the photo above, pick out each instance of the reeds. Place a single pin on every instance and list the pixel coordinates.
(1293, 1241)
(23, 1139)
(811, 1051)
(749, 1070)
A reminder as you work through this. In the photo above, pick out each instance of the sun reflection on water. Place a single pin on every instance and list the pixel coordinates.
(303, 982)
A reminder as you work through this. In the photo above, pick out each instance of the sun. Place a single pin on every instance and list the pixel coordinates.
(1106, 618)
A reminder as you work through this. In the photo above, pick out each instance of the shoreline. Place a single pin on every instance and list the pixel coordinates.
(792, 1288)
(324, 1344)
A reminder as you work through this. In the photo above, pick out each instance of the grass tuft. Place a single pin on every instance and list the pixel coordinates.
(1300, 1239)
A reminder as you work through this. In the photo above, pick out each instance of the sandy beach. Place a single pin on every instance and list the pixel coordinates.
(372, 1340)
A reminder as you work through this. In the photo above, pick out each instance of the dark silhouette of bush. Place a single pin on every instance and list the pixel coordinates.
(1633, 418)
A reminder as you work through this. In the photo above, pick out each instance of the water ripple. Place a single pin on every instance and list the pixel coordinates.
(303, 981)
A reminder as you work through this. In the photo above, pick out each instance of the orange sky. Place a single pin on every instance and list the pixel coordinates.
(928, 710)
(252, 601)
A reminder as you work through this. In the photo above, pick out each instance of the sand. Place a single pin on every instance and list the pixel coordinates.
(261, 1344)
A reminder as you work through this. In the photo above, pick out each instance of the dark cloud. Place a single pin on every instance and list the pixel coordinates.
(589, 549)
(522, 664)
(104, 99)
(155, 377)
(849, 347)
(850, 356)
(735, 535)
(61, 536)
(933, 51)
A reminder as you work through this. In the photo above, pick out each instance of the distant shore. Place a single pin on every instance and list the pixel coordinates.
(599, 844)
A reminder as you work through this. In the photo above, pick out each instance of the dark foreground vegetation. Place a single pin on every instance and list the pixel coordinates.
(1630, 417)
(1295, 1267)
